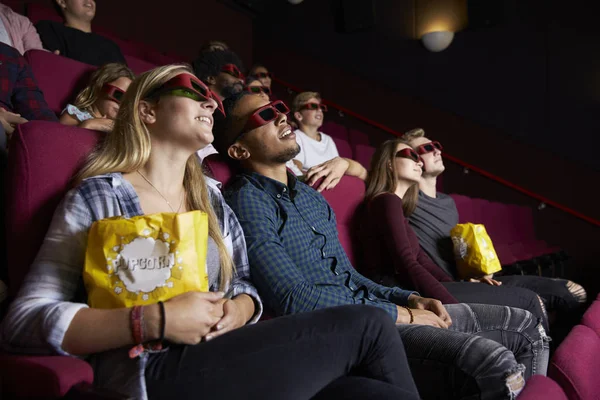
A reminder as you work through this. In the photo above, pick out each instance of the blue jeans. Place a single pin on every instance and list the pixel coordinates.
(485, 350)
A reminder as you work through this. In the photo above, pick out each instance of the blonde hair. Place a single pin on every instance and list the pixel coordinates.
(382, 176)
(86, 99)
(127, 149)
(413, 134)
(303, 98)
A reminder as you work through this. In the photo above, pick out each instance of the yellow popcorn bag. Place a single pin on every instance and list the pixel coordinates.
(474, 251)
(145, 259)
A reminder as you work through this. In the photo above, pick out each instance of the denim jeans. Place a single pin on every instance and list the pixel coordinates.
(474, 359)
(554, 291)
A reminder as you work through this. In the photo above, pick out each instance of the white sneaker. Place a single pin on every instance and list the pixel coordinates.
(3, 291)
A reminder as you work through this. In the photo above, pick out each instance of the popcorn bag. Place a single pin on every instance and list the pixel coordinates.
(474, 251)
(145, 259)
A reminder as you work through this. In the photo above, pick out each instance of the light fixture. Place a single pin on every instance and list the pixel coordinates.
(438, 40)
(295, 1)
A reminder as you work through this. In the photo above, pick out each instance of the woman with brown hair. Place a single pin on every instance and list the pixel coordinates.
(392, 255)
(96, 106)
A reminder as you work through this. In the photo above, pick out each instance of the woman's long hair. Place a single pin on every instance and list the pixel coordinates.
(86, 99)
(127, 149)
(382, 176)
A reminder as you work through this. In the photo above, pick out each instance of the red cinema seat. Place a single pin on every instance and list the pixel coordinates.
(60, 78)
(43, 158)
(575, 364)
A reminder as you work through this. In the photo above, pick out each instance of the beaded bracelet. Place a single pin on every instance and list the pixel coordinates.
(137, 331)
(412, 317)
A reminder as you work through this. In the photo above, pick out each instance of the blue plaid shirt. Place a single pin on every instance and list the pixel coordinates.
(297, 261)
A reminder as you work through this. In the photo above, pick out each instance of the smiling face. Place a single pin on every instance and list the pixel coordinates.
(434, 163)
(406, 169)
(106, 106)
(273, 143)
(182, 121)
(310, 118)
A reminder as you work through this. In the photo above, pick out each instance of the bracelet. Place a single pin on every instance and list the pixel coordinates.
(412, 317)
(137, 324)
(137, 331)
(163, 321)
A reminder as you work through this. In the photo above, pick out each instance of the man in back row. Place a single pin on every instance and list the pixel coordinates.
(298, 265)
(75, 39)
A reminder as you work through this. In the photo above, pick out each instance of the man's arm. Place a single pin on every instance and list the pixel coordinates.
(31, 38)
(27, 98)
(280, 282)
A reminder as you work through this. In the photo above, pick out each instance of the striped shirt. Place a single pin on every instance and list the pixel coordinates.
(52, 292)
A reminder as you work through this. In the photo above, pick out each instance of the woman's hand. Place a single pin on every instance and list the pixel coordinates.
(236, 313)
(331, 170)
(486, 279)
(98, 124)
(191, 316)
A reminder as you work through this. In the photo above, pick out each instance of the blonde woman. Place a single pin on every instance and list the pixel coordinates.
(96, 106)
(147, 165)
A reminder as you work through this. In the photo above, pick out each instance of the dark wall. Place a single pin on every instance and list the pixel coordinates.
(532, 74)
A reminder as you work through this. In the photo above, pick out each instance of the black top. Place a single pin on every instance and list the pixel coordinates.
(89, 48)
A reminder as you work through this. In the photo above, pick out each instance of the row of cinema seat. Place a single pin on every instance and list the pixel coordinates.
(44, 156)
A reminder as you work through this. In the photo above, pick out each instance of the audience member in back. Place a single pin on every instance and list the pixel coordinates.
(21, 100)
(213, 45)
(260, 72)
(255, 86)
(144, 166)
(221, 70)
(435, 215)
(75, 39)
(391, 252)
(318, 157)
(298, 265)
(96, 106)
(17, 31)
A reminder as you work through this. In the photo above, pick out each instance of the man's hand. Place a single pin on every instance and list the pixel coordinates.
(10, 120)
(433, 305)
(332, 170)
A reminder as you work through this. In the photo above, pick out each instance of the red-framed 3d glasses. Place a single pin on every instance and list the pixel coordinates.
(114, 93)
(265, 114)
(408, 153)
(262, 75)
(314, 106)
(429, 147)
(258, 89)
(187, 85)
(233, 70)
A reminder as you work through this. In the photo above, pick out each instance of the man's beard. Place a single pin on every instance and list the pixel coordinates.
(229, 91)
(286, 155)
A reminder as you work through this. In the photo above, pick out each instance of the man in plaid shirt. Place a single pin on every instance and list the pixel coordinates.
(298, 264)
(21, 100)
